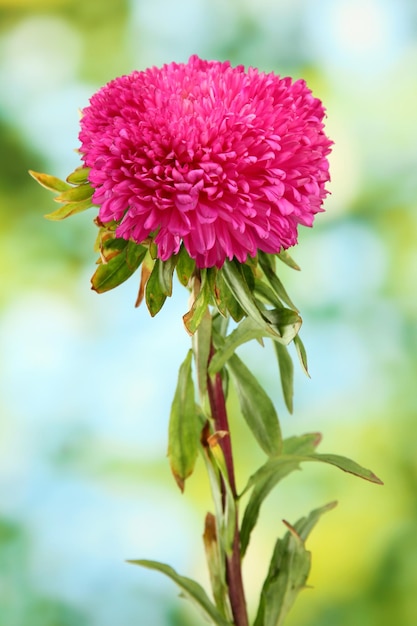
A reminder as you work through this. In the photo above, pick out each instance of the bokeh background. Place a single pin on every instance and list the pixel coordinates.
(87, 380)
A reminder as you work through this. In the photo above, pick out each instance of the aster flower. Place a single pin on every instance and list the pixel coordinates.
(226, 161)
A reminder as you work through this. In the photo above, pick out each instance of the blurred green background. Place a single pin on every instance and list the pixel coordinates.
(86, 381)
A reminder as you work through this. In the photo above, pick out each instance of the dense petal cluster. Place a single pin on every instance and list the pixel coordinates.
(225, 160)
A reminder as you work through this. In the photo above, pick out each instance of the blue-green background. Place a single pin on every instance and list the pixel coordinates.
(87, 380)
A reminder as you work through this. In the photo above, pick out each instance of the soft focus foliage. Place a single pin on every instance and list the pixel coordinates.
(87, 380)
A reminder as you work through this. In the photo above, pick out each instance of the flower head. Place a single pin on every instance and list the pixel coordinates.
(225, 160)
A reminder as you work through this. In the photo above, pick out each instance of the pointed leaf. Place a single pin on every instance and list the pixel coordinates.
(286, 370)
(192, 590)
(225, 301)
(216, 564)
(193, 318)
(166, 271)
(302, 354)
(49, 182)
(71, 208)
(154, 292)
(286, 323)
(264, 483)
(301, 444)
(345, 464)
(119, 268)
(256, 407)
(75, 194)
(288, 571)
(297, 450)
(236, 281)
(265, 262)
(185, 266)
(285, 258)
(201, 347)
(183, 441)
(78, 176)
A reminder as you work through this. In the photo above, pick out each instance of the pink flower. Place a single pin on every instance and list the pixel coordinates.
(225, 160)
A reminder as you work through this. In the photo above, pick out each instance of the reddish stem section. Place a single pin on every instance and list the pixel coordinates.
(233, 562)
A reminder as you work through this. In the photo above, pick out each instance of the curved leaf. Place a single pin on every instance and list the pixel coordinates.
(256, 406)
(183, 436)
(192, 590)
(119, 268)
(288, 571)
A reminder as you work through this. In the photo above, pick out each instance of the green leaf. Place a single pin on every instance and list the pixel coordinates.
(78, 176)
(201, 347)
(216, 565)
(288, 571)
(345, 464)
(263, 486)
(227, 518)
(265, 262)
(49, 182)
(225, 300)
(75, 194)
(285, 258)
(166, 271)
(155, 293)
(185, 266)
(183, 439)
(191, 589)
(297, 451)
(193, 318)
(302, 354)
(119, 268)
(236, 281)
(256, 407)
(286, 323)
(286, 370)
(301, 444)
(71, 208)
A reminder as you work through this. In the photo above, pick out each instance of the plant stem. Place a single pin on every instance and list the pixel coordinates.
(233, 561)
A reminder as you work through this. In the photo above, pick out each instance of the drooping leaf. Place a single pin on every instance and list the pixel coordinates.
(216, 565)
(191, 589)
(286, 258)
(50, 182)
(183, 438)
(193, 318)
(283, 324)
(78, 176)
(227, 520)
(288, 571)
(185, 266)
(302, 354)
(256, 406)
(201, 347)
(263, 485)
(286, 324)
(225, 300)
(286, 370)
(119, 268)
(296, 451)
(155, 293)
(166, 271)
(345, 464)
(266, 263)
(236, 281)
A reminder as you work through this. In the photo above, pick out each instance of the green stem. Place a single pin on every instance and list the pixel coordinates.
(233, 561)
